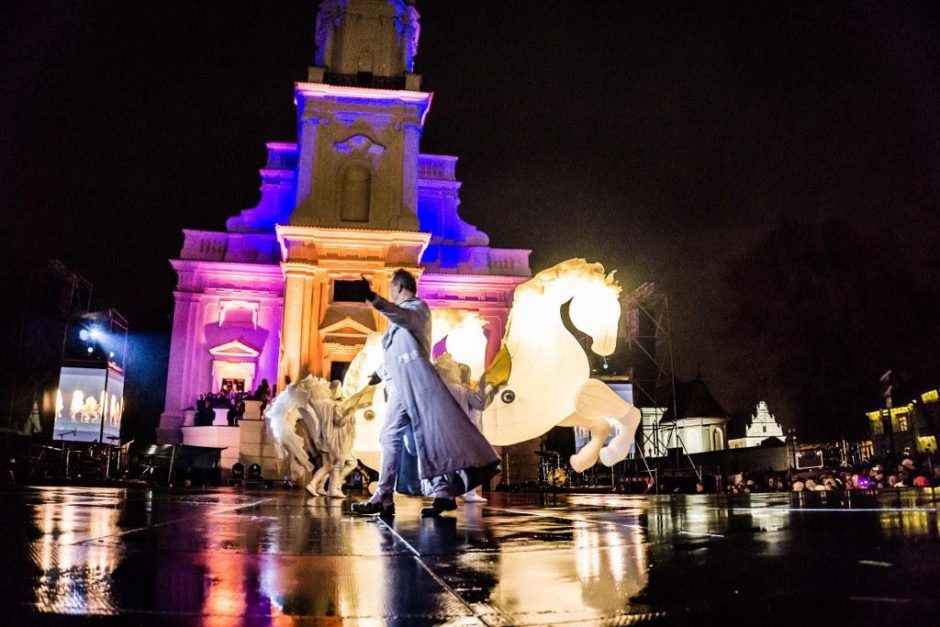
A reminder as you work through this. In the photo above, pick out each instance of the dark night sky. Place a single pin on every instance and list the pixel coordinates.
(662, 139)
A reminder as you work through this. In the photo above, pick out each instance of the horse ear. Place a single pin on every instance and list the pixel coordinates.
(610, 278)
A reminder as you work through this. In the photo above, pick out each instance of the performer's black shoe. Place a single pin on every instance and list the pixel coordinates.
(438, 507)
(373, 509)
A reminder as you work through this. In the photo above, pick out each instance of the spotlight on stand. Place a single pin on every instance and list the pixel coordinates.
(254, 476)
(238, 474)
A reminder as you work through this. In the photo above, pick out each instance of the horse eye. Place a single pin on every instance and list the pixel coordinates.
(508, 396)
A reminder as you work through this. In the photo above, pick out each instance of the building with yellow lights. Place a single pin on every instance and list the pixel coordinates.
(910, 428)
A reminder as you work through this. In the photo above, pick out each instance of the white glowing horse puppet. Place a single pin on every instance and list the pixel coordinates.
(463, 337)
(330, 432)
(550, 378)
(368, 401)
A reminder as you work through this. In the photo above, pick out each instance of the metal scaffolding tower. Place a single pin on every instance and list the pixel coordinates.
(650, 336)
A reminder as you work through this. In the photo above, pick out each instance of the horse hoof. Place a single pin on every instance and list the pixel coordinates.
(312, 489)
(578, 464)
(336, 495)
(608, 458)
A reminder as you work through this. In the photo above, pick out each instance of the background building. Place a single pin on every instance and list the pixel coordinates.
(763, 425)
(913, 427)
(700, 425)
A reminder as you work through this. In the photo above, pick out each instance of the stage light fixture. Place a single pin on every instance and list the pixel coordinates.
(95, 333)
(90, 350)
(84, 335)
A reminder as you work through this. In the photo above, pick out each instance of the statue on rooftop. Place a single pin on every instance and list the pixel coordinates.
(329, 18)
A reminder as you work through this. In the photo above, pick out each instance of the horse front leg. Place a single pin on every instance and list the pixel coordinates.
(596, 401)
(587, 456)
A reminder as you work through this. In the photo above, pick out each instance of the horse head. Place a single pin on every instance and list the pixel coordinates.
(595, 310)
(594, 299)
(547, 366)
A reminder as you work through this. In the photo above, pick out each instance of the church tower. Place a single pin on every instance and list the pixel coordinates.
(273, 296)
(360, 116)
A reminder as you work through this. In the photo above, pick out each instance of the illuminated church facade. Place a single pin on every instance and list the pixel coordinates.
(271, 296)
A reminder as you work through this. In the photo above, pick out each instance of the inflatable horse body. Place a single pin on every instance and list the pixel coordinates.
(550, 380)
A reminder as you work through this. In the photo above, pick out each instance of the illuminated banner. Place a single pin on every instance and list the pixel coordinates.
(86, 397)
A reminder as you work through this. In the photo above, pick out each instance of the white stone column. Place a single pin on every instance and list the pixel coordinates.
(182, 341)
(291, 327)
(409, 192)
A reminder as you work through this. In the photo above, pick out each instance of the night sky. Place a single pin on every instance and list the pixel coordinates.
(666, 140)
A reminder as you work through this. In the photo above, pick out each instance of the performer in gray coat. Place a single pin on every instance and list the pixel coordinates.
(452, 455)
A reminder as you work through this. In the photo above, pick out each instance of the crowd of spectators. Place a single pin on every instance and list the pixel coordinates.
(907, 470)
(904, 471)
(230, 399)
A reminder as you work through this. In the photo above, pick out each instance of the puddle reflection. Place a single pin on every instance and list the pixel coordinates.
(606, 568)
(75, 572)
(574, 559)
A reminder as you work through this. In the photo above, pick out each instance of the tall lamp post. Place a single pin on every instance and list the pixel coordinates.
(791, 437)
(104, 404)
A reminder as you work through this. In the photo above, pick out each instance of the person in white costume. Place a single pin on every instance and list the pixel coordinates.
(472, 400)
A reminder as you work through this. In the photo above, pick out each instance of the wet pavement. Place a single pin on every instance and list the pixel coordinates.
(226, 556)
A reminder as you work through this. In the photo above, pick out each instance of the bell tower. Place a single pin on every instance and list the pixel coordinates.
(359, 120)
(360, 116)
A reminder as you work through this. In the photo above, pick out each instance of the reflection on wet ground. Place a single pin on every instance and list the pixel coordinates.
(143, 556)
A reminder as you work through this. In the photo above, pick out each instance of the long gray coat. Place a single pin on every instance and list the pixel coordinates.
(445, 440)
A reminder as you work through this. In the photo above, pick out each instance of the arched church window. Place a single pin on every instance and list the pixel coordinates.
(357, 183)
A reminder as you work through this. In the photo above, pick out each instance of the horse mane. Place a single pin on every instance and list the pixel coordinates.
(577, 268)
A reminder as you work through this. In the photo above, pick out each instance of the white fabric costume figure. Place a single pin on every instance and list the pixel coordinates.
(472, 400)
(330, 431)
